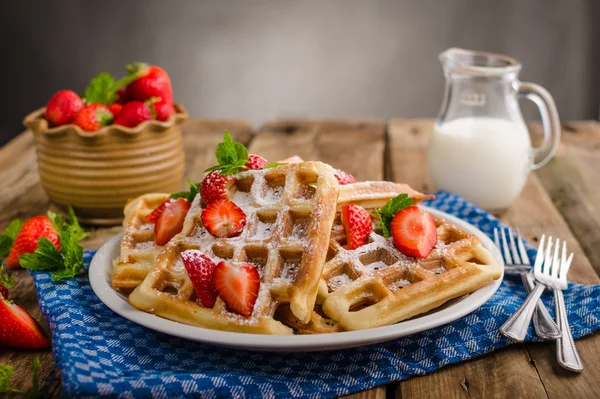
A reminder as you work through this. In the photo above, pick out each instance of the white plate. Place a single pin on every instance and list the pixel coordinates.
(100, 276)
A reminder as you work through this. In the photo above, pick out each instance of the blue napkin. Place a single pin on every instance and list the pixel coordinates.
(101, 354)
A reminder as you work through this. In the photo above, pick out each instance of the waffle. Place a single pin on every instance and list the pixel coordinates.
(289, 212)
(376, 285)
(138, 250)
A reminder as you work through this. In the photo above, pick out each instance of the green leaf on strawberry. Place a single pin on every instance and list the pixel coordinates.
(188, 195)
(103, 88)
(7, 238)
(389, 210)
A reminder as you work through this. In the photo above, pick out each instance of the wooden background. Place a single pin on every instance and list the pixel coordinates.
(561, 199)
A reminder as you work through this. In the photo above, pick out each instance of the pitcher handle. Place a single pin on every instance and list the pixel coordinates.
(550, 121)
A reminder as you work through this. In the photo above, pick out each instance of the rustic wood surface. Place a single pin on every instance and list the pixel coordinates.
(562, 199)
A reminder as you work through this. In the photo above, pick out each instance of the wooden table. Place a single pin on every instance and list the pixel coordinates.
(562, 199)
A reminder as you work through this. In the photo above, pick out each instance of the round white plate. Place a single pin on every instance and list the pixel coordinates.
(100, 273)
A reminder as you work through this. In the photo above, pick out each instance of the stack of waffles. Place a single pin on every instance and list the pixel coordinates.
(310, 281)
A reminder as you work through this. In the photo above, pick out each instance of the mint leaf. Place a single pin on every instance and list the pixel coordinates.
(7, 238)
(78, 231)
(101, 89)
(390, 209)
(34, 391)
(45, 257)
(188, 195)
(5, 373)
(232, 156)
(6, 279)
(274, 165)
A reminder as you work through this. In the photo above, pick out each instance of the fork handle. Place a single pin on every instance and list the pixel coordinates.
(544, 325)
(566, 352)
(517, 325)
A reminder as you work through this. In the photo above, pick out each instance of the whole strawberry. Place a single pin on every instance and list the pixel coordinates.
(163, 110)
(134, 113)
(93, 117)
(62, 107)
(152, 81)
(27, 239)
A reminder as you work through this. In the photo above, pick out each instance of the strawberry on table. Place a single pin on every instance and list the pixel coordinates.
(63, 106)
(343, 177)
(150, 81)
(256, 162)
(414, 232)
(163, 110)
(223, 218)
(237, 286)
(357, 224)
(28, 237)
(93, 117)
(134, 113)
(170, 221)
(18, 329)
(215, 187)
(200, 268)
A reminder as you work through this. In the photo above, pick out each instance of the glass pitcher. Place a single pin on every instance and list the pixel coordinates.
(480, 146)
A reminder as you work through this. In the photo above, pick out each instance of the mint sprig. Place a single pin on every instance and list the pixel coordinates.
(232, 156)
(66, 263)
(6, 372)
(7, 238)
(389, 210)
(6, 279)
(188, 195)
(103, 88)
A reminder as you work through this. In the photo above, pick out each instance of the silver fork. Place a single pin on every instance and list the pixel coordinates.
(518, 262)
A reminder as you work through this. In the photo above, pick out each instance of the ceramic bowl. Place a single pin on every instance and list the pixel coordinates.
(97, 173)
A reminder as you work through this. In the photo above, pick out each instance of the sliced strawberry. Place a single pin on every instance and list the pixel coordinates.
(223, 218)
(18, 329)
(200, 269)
(170, 221)
(215, 187)
(343, 177)
(414, 232)
(256, 162)
(27, 239)
(152, 217)
(237, 286)
(292, 159)
(357, 224)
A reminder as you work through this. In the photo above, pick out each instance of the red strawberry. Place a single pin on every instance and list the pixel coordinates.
(152, 81)
(200, 269)
(122, 93)
(134, 113)
(27, 239)
(343, 177)
(170, 221)
(18, 329)
(215, 187)
(237, 286)
(223, 218)
(152, 217)
(414, 232)
(115, 109)
(63, 106)
(256, 162)
(93, 117)
(357, 224)
(163, 110)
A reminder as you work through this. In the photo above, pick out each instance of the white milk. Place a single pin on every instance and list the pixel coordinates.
(485, 160)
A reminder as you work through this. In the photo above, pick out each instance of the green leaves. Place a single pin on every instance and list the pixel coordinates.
(66, 263)
(274, 165)
(188, 195)
(103, 88)
(232, 156)
(7, 238)
(6, 372)
(388, 211)
(6, 279)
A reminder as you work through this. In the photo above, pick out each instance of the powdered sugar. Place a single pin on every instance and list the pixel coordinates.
(398, 284)
(339, 281)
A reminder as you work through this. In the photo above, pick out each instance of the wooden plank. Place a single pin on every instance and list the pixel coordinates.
(26, 198)
(354, 146)
(572, 180)
(535, 369)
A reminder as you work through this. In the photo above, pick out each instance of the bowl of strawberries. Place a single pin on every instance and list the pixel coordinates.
(119, 140)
